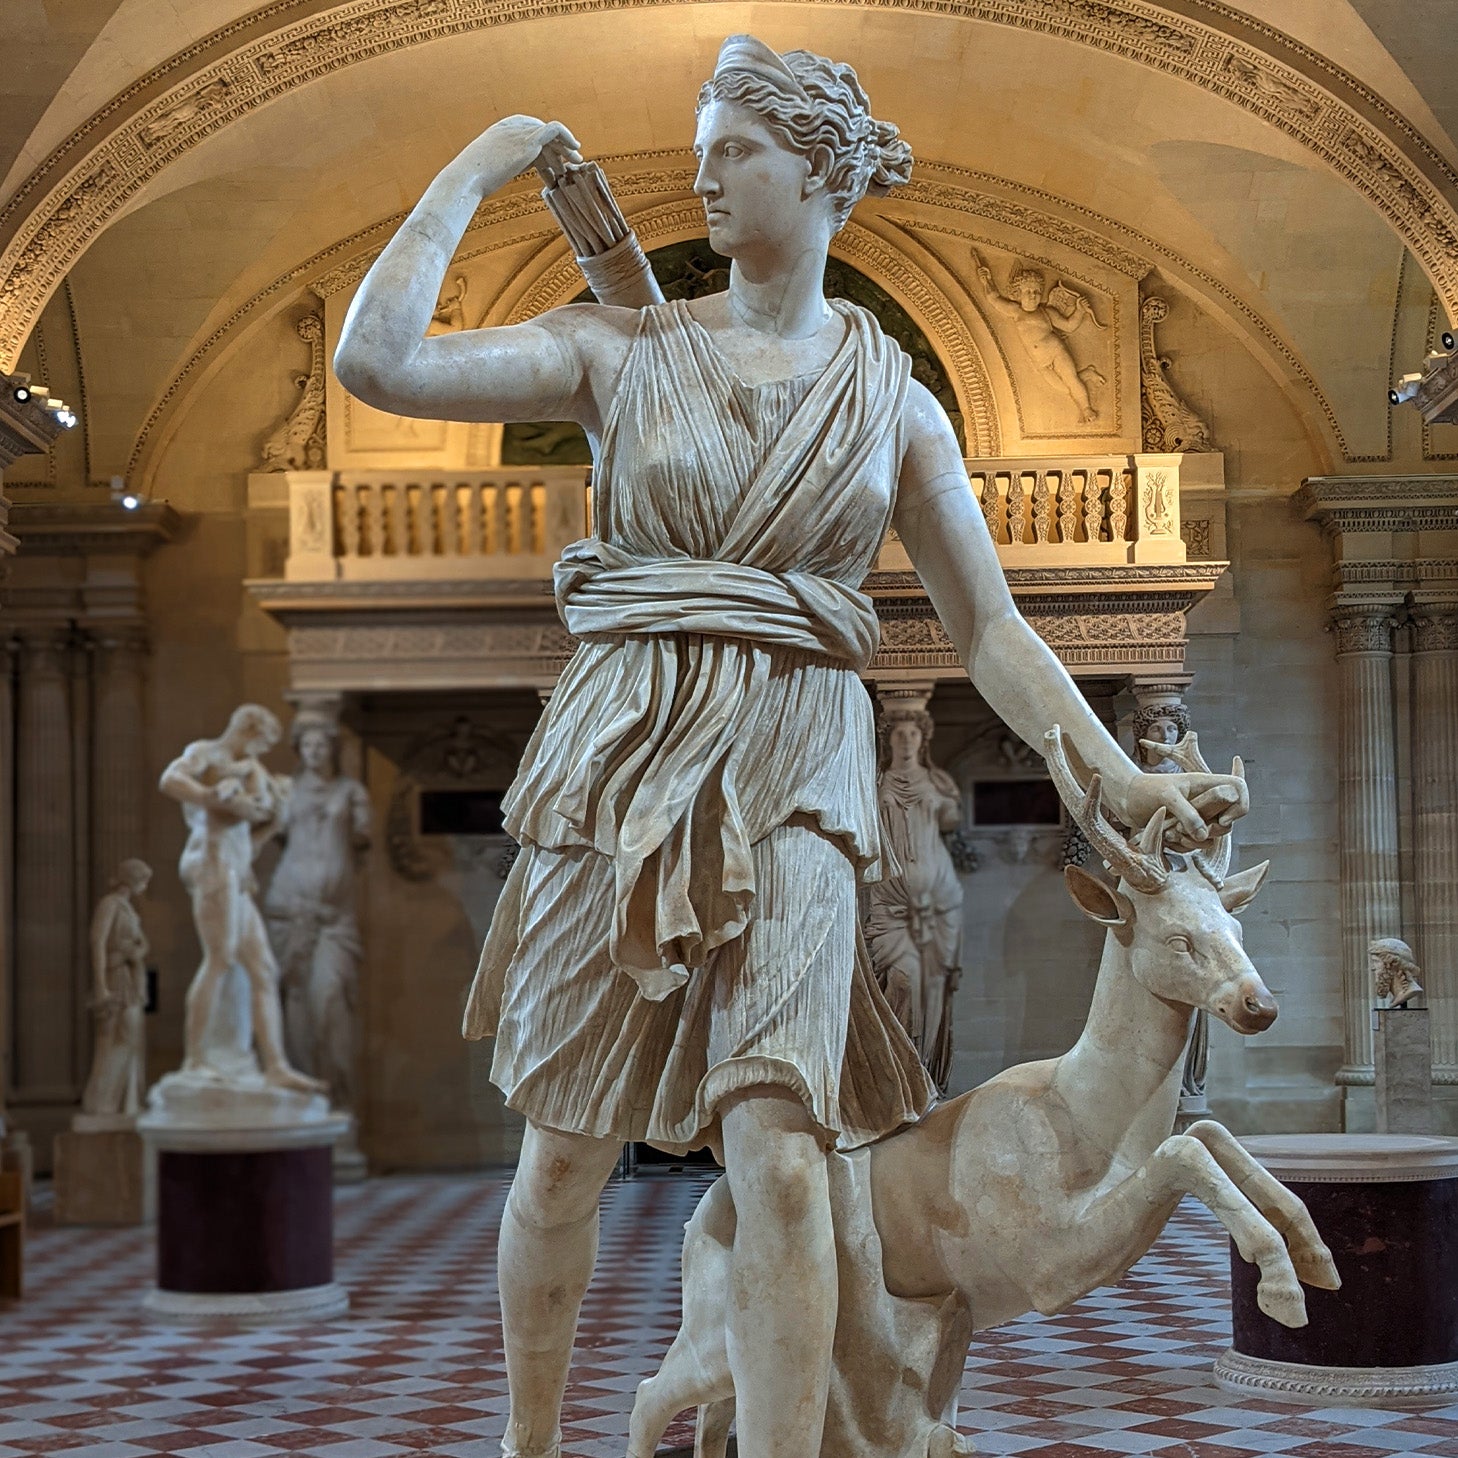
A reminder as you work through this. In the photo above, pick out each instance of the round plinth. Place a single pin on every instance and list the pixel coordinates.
(245, 1234)
(1387, 1205)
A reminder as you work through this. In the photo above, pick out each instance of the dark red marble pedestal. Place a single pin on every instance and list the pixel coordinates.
(245, 1224)
(1387, 1205)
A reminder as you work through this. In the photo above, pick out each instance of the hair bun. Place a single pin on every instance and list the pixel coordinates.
(890, 159)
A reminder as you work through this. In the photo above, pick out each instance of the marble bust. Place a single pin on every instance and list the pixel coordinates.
(113, 1093)
(1395, 971)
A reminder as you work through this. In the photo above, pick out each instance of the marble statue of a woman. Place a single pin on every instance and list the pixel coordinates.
(676, 955)
(914, 916)
(119, 993)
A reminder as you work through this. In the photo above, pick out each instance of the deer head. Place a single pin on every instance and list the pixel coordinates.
(1173, 913)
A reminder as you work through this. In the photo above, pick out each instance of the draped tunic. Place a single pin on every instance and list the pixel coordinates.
(714, 695)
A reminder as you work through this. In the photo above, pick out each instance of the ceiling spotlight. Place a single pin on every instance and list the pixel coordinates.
(1404, 389)
(21, 393)
(1447, 340)
(123, 496)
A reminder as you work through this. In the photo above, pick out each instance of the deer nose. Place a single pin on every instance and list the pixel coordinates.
(1247, 1006)
(1260, 1010)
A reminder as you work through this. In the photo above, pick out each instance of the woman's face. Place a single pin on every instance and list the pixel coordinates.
(905, 740)
(316, 750)
(752, 184)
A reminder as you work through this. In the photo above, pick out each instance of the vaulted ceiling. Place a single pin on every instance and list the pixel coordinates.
(170, 163)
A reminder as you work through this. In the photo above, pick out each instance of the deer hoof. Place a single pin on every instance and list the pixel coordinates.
(1281, 1299)
(1315, 1267)
(945, 1442)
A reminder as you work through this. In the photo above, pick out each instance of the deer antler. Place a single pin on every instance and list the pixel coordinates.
(1213, 864)
(1142, 870)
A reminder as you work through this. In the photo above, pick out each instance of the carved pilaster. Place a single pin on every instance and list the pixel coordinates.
(1435, 821)
(7, 821)
(43, 991)
(1370, 893)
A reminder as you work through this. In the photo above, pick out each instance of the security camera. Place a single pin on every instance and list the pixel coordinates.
(1404, 389)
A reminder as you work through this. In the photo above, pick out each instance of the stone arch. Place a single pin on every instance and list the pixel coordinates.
(73, 195)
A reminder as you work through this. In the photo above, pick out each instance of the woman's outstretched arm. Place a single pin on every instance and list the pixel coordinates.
(944, 533)
(531, 371)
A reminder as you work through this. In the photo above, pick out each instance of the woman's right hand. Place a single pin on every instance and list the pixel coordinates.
(512, 145)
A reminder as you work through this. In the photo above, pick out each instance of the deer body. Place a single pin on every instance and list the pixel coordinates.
(1024, 1194)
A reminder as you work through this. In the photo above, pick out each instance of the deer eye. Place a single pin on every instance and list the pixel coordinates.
(1180, 944)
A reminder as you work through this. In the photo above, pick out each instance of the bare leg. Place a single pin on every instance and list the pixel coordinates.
(257, 958)
(782, 1293)
(214, 915)
(545, 1257)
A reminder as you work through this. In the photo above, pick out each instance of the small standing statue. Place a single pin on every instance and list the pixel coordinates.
(1158, 728)
(119, 993)
(310, 907)
(914, 921)
(230, 804)
(1395, 972)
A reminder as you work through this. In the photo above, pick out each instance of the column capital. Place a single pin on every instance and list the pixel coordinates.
(1435, 627)
(120, 639)
(903, 695)
(1363, 630)
(1168, 688)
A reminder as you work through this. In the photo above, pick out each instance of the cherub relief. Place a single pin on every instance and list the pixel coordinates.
(1041, 323)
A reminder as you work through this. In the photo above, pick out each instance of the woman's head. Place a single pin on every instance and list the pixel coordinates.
(814, 107)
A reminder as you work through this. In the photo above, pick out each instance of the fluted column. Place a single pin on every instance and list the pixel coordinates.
(1435, 823)
(118, 751)
(44, 986)
(1367, 817)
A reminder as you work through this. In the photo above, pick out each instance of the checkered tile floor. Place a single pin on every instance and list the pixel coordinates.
(416, 1368)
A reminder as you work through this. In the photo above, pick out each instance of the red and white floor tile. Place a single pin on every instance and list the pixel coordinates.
(416, 1367)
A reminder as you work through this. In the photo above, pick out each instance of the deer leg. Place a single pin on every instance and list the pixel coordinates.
(1309, 1253)
(1141, 1203)
(711, 1433)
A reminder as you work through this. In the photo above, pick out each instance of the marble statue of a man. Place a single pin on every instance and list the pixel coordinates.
(230, 804)
(310, 908)
(118, 994)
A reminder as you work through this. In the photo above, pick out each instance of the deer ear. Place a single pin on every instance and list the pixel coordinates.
(1239, 891)
(1098, 900)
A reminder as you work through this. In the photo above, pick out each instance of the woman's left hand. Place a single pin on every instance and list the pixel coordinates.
(1200, 806)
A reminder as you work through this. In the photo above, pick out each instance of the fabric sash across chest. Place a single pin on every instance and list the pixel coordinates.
(602, 588)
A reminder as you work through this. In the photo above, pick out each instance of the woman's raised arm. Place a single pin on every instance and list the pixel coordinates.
(529, 371)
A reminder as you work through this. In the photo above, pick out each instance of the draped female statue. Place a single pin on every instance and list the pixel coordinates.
(676, 955)
(119, 995)
(914, 915)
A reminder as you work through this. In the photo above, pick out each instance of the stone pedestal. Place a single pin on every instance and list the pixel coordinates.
(104, 1173)
(1402, 1051)
(245, 1204)
(1387, 1205)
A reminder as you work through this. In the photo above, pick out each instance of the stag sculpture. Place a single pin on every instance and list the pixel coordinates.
(1035, 1188)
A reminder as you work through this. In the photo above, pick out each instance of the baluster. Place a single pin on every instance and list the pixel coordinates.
(375, 510)
(425, 520)
(500, 521)
(1118, 504)
(991, 506)
(475, 522)
(450, 519)
(515, 511)
(1093, 505)
(399, 544)
(1042, 515)
(1017, 508)
(1068, 495)
(538, 534)
(346, 503)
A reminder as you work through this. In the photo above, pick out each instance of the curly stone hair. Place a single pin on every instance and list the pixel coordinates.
(832, 111)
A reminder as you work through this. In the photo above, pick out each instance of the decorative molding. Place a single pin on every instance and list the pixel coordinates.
(1337, 1386)
(77, 528)
(75, 192)
(1340, 504)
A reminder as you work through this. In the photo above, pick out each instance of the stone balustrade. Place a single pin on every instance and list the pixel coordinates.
(511, 523)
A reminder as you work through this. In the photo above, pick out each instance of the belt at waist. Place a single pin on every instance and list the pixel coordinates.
(601, 588)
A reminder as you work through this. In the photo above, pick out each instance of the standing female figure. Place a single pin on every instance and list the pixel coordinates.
(914, 916)
(676, 955)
